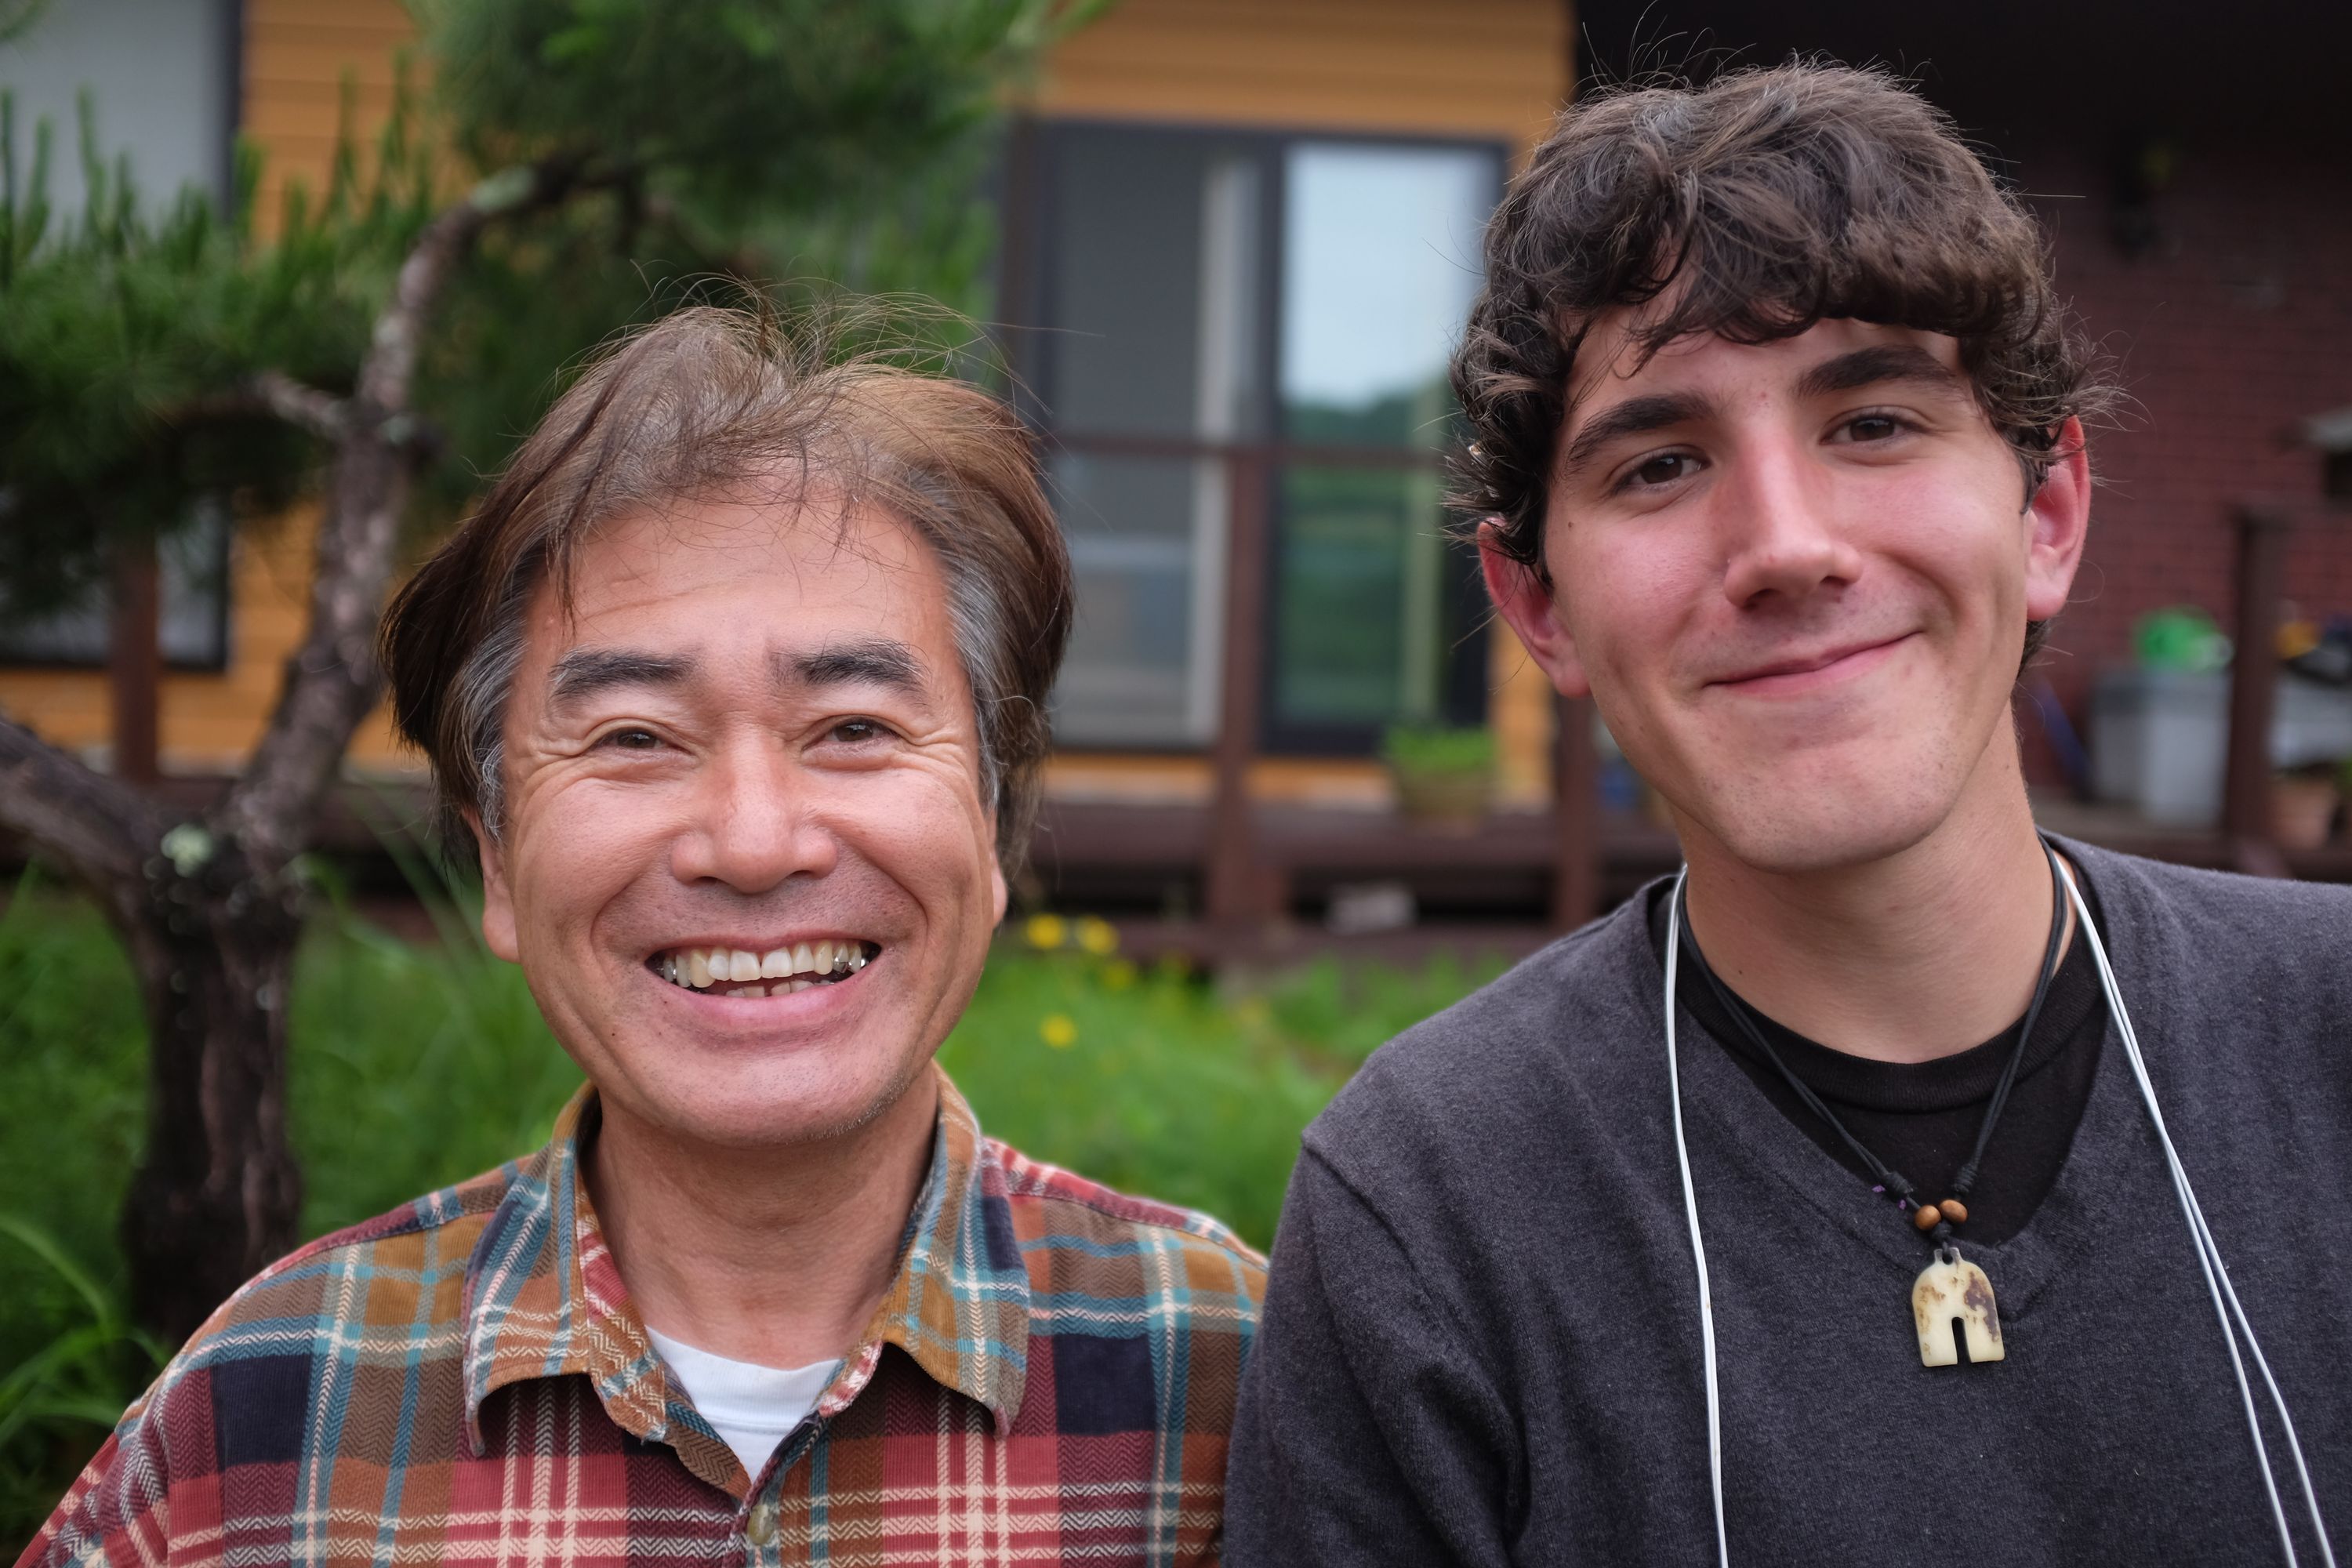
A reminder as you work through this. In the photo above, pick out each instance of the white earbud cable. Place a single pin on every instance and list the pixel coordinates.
(1698, 1245)
(2209, 1258)
(2224, 1295)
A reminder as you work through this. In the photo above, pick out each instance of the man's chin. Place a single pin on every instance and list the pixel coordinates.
(775, 1106)
(1798, 832)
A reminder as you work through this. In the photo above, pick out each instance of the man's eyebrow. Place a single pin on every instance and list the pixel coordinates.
(1874, 366)
(588, 670)
(876, 661)
(1634, 417)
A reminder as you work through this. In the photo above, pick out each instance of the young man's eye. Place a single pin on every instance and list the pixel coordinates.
(1664, 468)
(1874, 427)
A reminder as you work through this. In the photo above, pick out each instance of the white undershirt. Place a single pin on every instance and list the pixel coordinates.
(753, 1407)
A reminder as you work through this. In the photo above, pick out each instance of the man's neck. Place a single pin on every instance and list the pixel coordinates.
(1917, 955)
(775, 1257)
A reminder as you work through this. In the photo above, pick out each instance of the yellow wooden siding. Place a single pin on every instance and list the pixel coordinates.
(1457, 68)
(298, 54)
(1492, 68)
(207, 721)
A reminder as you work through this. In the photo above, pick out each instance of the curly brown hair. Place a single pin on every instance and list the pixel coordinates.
(1758, 205)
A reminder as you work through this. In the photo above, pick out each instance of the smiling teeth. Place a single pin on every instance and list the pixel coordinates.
(797, 967)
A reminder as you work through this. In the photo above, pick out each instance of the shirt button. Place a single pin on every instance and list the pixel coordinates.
(761, 1526)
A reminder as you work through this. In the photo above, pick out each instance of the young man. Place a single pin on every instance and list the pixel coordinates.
(738, 680)
(1778, 438)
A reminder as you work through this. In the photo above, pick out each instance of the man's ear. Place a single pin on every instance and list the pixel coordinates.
(2058, 517)
(1526, 603)
(497, 897)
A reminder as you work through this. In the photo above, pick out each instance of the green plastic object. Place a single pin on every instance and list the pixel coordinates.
(2181, 636)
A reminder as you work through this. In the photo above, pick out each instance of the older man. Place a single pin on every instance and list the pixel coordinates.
(738, 681)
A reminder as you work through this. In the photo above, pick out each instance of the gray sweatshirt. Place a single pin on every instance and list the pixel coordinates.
(1481, 1341)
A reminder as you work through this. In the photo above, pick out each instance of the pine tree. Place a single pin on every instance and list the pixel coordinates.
(377, 348)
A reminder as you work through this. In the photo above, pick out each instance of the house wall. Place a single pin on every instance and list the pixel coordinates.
(1480, 67)
(298, 56)
(2236, 324)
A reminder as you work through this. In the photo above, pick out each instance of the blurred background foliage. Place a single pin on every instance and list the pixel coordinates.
(417, 1064)
(798, 151)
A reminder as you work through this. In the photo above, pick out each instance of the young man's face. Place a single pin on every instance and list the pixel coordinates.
(1795, 578)
(752, 734)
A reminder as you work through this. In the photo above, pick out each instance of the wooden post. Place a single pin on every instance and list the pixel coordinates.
(1576, 816)
(2246, 821)
(1237, 885)
(134, 663)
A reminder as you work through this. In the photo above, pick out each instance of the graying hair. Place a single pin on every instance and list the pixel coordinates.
(712, 403)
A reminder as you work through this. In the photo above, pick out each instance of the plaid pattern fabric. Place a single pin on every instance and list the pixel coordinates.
(1050, 1379)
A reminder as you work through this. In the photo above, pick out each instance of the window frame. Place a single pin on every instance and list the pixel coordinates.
(1255, 465)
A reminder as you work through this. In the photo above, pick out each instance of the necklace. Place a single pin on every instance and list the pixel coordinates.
(1952, 1299)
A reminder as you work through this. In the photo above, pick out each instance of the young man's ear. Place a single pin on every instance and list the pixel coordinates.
(1527, 604)
(497, 899)
(2058, 517)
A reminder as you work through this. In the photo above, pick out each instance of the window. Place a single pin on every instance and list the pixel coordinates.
(192, 624)
(168, 102)
(1217, 319)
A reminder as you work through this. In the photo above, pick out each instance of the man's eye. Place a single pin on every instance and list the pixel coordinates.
(1663, 469)
(857, 731)
(630, 740)
(1874, 427)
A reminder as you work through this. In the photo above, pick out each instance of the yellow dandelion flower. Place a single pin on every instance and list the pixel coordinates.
(1058, 1031)
(1097, 936)
(1046, 931)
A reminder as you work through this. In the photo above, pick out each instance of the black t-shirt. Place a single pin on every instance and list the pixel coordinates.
(1921, 1118)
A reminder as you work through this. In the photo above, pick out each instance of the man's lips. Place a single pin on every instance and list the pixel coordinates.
(1805, 671)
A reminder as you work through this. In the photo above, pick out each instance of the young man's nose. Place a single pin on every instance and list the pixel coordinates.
(1781, 528)
(755, 823)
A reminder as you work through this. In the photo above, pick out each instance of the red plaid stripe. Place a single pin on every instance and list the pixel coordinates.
(1050, 1379)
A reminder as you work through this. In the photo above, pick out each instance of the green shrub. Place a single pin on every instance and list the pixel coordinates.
(1431, 748)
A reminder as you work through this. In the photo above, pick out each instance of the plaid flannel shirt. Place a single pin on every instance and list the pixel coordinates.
(1050, 1379)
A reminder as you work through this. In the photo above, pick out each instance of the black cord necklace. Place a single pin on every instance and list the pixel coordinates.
(1950, 1281)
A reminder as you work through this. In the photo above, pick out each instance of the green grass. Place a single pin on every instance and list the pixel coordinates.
(415, 1066)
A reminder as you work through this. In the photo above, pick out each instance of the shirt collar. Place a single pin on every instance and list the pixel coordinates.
(544, 1298)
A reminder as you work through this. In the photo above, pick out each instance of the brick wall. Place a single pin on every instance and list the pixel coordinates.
(2235, 324)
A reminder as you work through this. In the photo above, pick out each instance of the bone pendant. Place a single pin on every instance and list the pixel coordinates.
(1956, 1290)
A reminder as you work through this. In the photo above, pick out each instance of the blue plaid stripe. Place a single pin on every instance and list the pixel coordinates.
(465, 1379)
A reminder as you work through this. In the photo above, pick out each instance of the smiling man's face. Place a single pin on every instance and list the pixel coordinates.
(1795, 577)
(746, 865)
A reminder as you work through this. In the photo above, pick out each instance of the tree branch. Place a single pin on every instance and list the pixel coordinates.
(94, 827)
(331, 682)
(304, 408)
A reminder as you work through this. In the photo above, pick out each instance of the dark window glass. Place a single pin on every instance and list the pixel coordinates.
(1207, 310)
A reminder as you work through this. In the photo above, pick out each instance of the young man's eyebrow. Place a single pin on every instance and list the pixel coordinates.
(1634, 417)
(1874, 366)
(585, 671)
(874, 661)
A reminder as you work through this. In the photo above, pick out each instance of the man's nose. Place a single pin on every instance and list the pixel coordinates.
(1781, 530)
(755, 822)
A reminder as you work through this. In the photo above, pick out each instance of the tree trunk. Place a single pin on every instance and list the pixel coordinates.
(217, 1196)
(209, 909)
